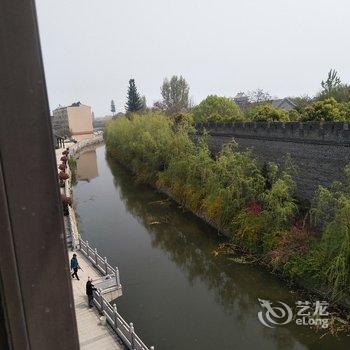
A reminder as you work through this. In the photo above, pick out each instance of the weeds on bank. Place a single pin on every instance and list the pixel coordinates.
(257, 206)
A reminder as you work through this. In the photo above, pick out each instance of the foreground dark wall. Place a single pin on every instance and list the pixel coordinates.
(319, 150)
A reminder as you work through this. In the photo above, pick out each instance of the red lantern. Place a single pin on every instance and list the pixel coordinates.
(66, 200)
(62, 167)
(63, 176)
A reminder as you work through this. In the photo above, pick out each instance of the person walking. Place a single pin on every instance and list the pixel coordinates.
(89, 292)
(74, 265)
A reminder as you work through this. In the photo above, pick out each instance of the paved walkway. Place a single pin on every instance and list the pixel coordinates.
(91, 334)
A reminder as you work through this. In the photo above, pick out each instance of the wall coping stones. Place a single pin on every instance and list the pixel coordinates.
(308, 132)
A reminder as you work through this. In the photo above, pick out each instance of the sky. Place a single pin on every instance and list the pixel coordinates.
(91, 48)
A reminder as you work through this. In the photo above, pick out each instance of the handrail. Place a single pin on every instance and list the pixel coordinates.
(125, 331)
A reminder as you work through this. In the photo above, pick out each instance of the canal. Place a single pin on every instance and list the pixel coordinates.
(178, 294)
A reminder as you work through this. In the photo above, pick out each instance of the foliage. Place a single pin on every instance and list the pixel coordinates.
(301, 102)
(72, 163)
(134, 102)
(255, 206)
(217, 109)
(259, 95)
(266, 113)
(175, 93)
(332, 81)
(113, 107)
(340, 93)
(333, 88)
(327, 110)
(144, 102)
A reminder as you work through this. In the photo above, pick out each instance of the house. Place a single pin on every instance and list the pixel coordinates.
(242, 100)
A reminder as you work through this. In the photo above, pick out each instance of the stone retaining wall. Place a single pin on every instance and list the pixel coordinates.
(319, 150)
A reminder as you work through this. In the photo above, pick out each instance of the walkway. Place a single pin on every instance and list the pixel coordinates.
(91, 334)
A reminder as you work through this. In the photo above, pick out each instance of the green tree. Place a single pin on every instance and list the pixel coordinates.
(266, 113)
(333, 88)
(326, 110)
(217, 109)
(332, 81)
(112, 107)
(144, 102)
(134, 101)
(175, 94)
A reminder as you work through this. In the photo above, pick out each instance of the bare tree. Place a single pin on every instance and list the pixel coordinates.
(259, 95)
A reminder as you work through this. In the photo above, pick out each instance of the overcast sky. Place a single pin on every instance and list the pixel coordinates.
(92, 48)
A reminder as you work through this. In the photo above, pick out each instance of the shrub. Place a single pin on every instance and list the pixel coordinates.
(266, 113)
(327, 110)
(217, 109)
(257, 206)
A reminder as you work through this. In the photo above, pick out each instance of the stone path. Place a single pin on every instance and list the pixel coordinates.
(91, 334)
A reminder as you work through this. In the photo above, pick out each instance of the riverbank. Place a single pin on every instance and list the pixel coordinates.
(254, 207)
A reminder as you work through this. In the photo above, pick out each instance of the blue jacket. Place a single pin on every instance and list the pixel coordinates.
(74, 263)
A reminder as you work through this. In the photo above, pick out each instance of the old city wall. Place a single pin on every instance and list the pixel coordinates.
(319, 150)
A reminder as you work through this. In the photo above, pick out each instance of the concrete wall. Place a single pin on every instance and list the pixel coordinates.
(320, 151)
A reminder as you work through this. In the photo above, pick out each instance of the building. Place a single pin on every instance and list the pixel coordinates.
(244, 104)
(74, 121)
(284, 103)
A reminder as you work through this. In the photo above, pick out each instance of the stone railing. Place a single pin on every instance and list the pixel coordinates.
(124, 330)
(85, 143)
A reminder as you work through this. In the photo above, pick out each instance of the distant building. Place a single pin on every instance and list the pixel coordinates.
(284, 103)
(74, 121)
(242, 100)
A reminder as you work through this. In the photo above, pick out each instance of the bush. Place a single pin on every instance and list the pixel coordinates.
(266, 113)
(327, 110)
(217, 109)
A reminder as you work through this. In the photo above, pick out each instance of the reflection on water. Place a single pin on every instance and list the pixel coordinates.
(176, 292)
(87, 166)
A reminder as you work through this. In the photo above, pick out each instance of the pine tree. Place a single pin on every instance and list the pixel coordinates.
(134, 102)
(112, 107)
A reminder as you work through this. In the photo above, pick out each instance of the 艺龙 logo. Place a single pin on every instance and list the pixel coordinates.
(274, 315)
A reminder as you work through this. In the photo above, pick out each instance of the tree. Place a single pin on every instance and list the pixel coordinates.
(217, 109)
(112, 107)
(332, 81)
(144, 102)
(266, 113)
(327, 110)
(175, 94)
(259, 95)
(301, 102)
(134, 102)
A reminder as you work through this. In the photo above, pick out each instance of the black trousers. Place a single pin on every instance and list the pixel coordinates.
(91, 300)
(75, 273)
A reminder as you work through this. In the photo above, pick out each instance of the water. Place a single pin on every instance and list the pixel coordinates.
(175, 291)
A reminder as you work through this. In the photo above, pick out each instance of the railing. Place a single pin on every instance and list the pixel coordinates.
(98, 261)
(125, 331)
(84, 143)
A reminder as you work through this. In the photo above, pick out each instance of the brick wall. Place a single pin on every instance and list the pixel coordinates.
(319, 150)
